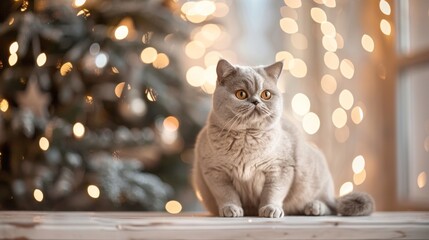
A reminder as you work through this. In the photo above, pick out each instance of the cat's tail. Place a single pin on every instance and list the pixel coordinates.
(355, 204)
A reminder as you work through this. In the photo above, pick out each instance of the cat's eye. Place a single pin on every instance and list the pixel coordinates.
(266, 95)
(241, 94)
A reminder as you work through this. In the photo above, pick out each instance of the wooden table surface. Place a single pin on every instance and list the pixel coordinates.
(150, 225)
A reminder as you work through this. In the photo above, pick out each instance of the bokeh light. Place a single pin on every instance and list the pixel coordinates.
(357, 115)
(311, 123)
(161, 61)
(346, 188)
(385, 27)
(121, 32)
(421, 180)
(367, 43)
(148, 55)
(119, 89)
(195, 76)
(300, 104)
(288, 25)
(173, 207)
(384, 7)
(342, 134)
(13, 47)
(44, 143)
(297, 68)
(299, 41)
(331, 60)
(293, 3)
(346, 99)
(66, 68)
(78, 130)
(318, 15)
(329, 84)
(358, 164)
(4, 105)
(38, 195)
(41, 59)
(171, 123)
(329, 43)
(195, 49)
(13, 59)
(339, 118)
(359, 178)
(93, 191)
(347, 68)
(285, 57)
(328, 29)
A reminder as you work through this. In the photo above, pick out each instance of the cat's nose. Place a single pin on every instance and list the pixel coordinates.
(256, 102)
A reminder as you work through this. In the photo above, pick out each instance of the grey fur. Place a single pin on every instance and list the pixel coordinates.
(250, 160)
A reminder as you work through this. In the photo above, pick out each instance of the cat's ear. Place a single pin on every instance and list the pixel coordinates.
(224, 69)
(274, 70)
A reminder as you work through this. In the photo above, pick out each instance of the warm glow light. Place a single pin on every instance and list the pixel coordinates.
(293, 3)
(342, 134)
(66, 68)
(299, 41)
(385, 7)
(328, 29)
(222, 9)
(297, 68)
(101, 60)
(358, 164)
(329, 43)
(89, 99)
(289, 25)
(329, 84)
(346, 99)
(150, 94)
(197, 12)
(285, 57)
(359, 178)
(211, 58)
(44, 143)
(340, 41)
(13, 58)
(121, 32)
(329, 3)
(211, 31)
(171, 123)
(13, 47)
(195, 49)
(331, 60)
(38, 195)
(161, 61)
(78, 130)
(421, 180)
(195, 76)
(93, 191)
(318, 15)
(4, 105)
(357, 115)
(385, 27)
(120, 88)
(41, 59)
(367, 43)
(300, 104)
(311, 123)
(426, 144)
(339, 117)
(173, 207)
(346, 188)
(148, 55)
(347, 68)
(79, 3)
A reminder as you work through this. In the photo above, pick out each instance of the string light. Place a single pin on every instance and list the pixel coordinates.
(339, 118)
(328, 29)
(328, 83)
(41, 59)
(421, 180)
(359, 178)
(13, 47)
(4, 105)
(357, 115)
(93, 191)
(173, 207)
(78, 130)
(121, 32)
(161, 61)
(385, 27)
(340, 41)
(120, 88)
(101, 60)
(300, 104)
(330, 3)
(346, 99)
(288, 25)
(347, 68)
(293, 3)
(346, 188)
(384, 7)
(358, 164)
(195, 49)
(311, 123)
(318, 15)
(171, 123)
(66, 68)
(329, 43)
(285, 57)
(331, 60)
(38, 195)
(367, 43)
(211, 31)
(44, 143)
(297, 68)
(13, 59)
(194, 76)
(148, 55)
(79, 3)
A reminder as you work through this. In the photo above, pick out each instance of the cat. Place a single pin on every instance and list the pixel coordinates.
(250, 160)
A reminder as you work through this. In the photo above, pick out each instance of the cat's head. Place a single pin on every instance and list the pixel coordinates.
(247, 97)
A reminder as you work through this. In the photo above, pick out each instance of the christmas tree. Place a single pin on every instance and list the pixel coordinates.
(92, 106)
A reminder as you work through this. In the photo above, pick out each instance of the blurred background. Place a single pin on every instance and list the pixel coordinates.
(101, 101)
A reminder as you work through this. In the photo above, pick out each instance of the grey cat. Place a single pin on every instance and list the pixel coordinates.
(252, 161)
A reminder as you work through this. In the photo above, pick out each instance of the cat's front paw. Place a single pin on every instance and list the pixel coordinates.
(271, 211)
(231, 210)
